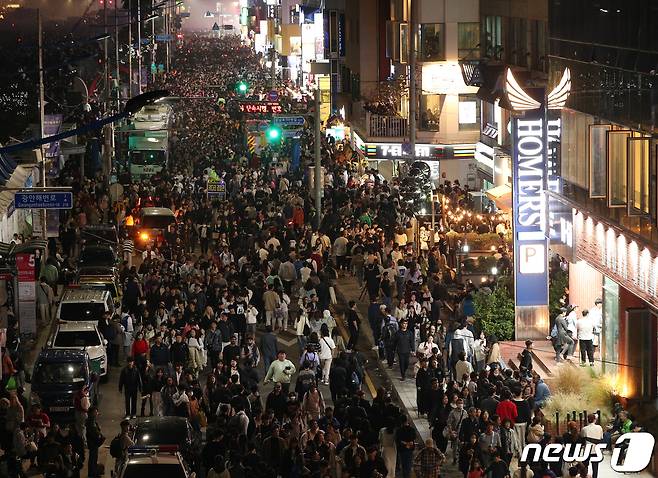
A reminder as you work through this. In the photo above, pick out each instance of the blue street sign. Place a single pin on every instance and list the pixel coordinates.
(163, 37)
(289, 120)
(292, 133)
(44, 200)
(273, 96)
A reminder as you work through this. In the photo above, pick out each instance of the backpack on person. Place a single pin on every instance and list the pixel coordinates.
(115, 447)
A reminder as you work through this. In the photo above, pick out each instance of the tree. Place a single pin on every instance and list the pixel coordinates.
(494, 310)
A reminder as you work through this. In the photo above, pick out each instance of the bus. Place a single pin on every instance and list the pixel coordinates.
(148, 142)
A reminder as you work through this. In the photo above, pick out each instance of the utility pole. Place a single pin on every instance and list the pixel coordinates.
(152, 45)
(42, 118)
(116, 54)
(167, 20)
(412, 77)
(130, 48)
(273, 71)
(139, 47)
(318, 161)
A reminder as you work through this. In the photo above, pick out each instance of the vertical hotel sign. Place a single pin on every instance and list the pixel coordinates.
(530, 173)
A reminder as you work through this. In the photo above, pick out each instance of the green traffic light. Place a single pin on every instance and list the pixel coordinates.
(243, 87)
(273, 133)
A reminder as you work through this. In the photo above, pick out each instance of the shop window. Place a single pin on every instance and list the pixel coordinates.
(609, 348)
(468, 40)
(598, 167)
(618, 167)
(430, 111)
(432, 47)
(517, 44)
(638, 176)
(469, 112)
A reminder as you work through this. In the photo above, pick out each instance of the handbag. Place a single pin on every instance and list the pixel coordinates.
(203, 420)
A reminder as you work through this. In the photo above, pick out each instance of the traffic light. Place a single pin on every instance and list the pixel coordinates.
(242, 87)
(273, 134)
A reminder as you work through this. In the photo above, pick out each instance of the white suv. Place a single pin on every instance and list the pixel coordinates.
(82, 336)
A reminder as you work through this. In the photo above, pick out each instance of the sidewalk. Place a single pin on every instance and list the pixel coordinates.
(347, 288)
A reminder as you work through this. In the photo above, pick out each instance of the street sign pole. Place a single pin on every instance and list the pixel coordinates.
(318, 161)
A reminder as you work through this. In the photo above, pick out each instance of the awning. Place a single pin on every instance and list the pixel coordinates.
(16, 180)
(501, 196)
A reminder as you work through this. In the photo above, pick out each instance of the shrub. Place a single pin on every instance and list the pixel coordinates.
(495, 311)
(581, 389)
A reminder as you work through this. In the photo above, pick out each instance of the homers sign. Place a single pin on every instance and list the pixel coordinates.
(529, 200)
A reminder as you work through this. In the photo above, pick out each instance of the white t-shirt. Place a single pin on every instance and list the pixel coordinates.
(326, 346)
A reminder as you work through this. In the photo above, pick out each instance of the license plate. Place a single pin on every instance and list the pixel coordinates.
(59, 409)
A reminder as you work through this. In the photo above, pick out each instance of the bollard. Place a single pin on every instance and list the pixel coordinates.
(598, 417)
(557, 423)
(580, 419)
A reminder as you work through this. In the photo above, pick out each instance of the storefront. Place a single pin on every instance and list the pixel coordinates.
(604, 262)
(448, 162)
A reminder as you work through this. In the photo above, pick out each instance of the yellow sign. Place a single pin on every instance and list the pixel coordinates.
(324, 83)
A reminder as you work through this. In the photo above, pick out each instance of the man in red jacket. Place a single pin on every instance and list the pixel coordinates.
(506, 408)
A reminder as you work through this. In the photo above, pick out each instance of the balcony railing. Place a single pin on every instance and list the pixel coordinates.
(386, 126)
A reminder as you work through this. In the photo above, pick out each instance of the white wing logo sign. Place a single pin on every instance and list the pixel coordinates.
(521, 101)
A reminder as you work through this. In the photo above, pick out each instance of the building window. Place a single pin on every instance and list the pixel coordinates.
(573, 145)
(518, 47)
(469, 112)
(432, 46)
(404, 43)
(430, 111)
(538, 46)
(598, 168)
(468, 40)
(493, 37)
(618, 167)
(638, 176)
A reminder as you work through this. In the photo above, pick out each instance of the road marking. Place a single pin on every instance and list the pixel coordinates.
(369, 384)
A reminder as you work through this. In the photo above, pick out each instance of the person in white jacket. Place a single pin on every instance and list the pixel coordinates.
(326, 346)
(195, 347)
(251, 315)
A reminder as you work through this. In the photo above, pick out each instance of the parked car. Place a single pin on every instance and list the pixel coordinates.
(57, 376)
(82, 336)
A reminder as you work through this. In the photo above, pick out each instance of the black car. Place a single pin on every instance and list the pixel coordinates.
(168, 431)
(97, 256)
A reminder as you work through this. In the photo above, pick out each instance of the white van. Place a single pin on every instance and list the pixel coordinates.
(79, 304)
(81, 336)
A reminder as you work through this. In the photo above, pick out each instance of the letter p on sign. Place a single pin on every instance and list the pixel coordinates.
(532, 259)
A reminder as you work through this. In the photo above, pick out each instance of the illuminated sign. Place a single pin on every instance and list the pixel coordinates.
(484, 155)
(529, 175)
(444, 78)
(431, 152)
(263, 107)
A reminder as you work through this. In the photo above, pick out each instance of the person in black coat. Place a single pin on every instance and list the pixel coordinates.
(131, 382)
(338, 379)
(423, 385)
(404, 344)
(179, 352)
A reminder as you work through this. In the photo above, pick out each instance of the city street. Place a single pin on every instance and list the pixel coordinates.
(328, 239)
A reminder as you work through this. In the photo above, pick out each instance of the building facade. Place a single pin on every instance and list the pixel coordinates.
(608, 175)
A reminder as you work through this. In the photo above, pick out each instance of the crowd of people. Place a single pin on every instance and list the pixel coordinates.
(202, 308)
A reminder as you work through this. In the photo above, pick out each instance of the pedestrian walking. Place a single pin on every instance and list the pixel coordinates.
(130, 382)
